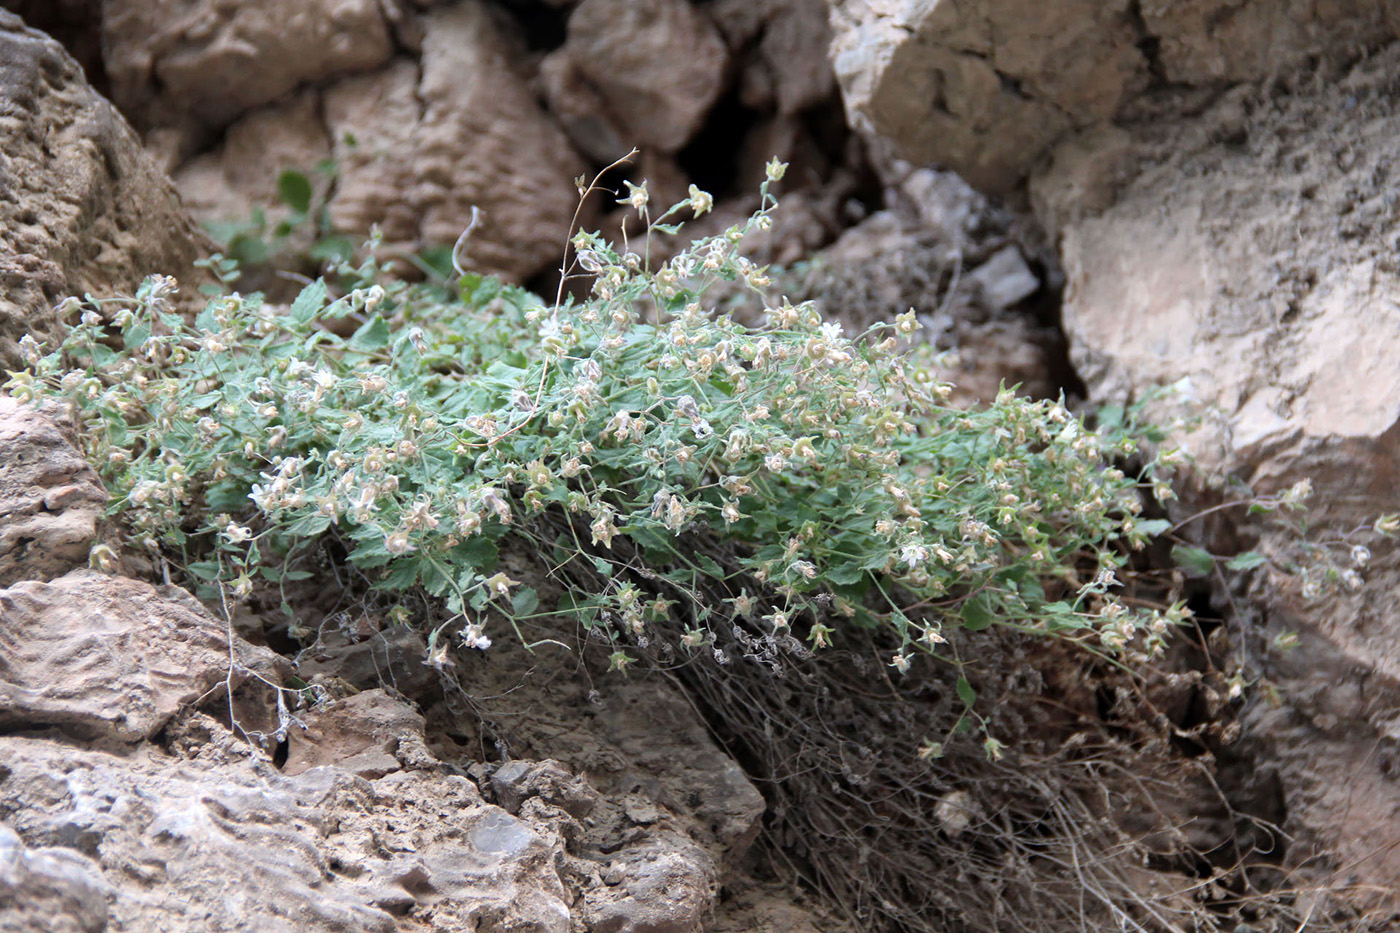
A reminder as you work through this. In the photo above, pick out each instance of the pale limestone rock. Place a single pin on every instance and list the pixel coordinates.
(50, 499)
(986, 89)
(203, 63)
(110, 657)
(49, 888)
(230, 844)
(370, 734)
(657, 65)
(417, 146)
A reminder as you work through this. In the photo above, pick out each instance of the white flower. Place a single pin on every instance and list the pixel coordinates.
(913, 554)
(700, 201)
(637, 196)
(237, 534)
(396, 542)
(775, 169)
(473, 637)
(1360, 555)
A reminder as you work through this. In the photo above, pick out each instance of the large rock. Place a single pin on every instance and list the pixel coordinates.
(227, 843)
(173, 62)
(418, 146)
(1247, 255)
(82, 207)
(654, 67)
(987, 88)
(111, 657)
(50, 499)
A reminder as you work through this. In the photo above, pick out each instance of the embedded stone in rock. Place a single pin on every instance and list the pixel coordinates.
(82, 207)
(370, 734)
(50, 499)
(417, 147)
(663, 887)
(1005, 278)
(50, 888)
(206, 62)
(193, 845)
(515, 781)
(657, 64)
(101, 656)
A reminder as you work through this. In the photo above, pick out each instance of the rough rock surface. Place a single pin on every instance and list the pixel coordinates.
(49, 888)
(82, 207)
(1261, 270)
(172, 62)
(222, 841)
(1244, 254)
(370, 734)
(50, 499)
(986, 88)
(418, 145)
(655, 66)
(109, 657)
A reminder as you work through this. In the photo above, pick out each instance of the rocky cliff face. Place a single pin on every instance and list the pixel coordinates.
(1206, 183)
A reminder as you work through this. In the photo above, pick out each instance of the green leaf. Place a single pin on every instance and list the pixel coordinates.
(965, 692)
(847, 574)
(311, 300)
(1246, 561)
(603, 566)
(525, 601)
(294, 189)
(1195, 561)
(1153, 527)
(977, 614)
(372, 335)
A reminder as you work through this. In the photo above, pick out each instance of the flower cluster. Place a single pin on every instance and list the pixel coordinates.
(823, 471)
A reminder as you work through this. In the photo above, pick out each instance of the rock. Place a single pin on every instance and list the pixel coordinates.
(393, 658)
(50, 499)
(229, 183)
(418, 146)
(369, 734)
(82, 207)
(1005, 279)
(784, 48)
(110, 657)
(1252, 273)
(1245, 255)
(657, 66)
(890, 263)
(203, 63)
(986, 89)
(50, 888)
(515, 781)
(659, 888)
(196, 845)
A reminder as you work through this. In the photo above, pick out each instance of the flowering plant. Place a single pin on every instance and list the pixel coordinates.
(673, 467)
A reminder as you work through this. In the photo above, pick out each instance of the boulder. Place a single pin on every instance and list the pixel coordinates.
(179, 64)
(104, 657)
(82, 207)
(986, 89)
(655, 67)
(207, 844)
(417, 146)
